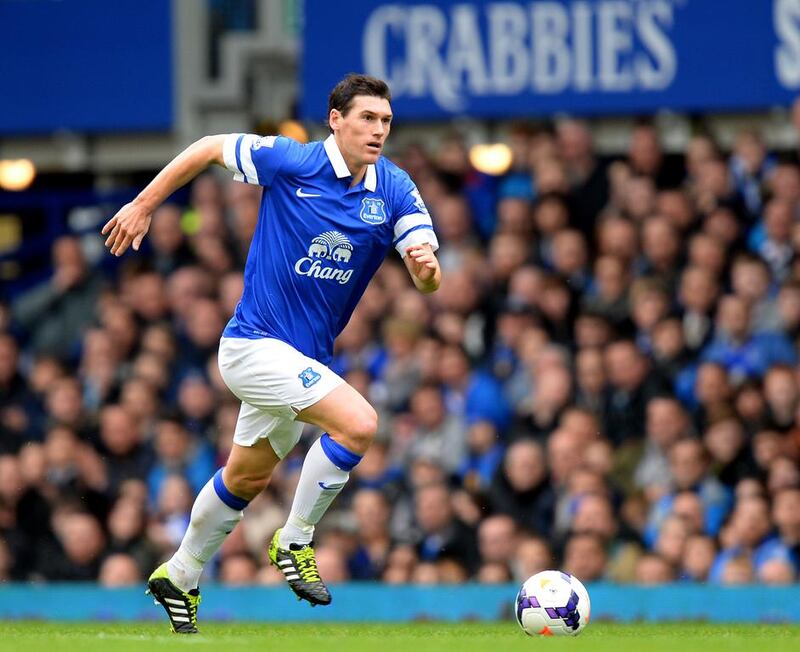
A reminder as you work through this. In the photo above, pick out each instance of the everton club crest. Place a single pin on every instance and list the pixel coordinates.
(372, 211)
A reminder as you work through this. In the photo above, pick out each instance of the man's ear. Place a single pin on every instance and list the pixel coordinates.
(334, 118)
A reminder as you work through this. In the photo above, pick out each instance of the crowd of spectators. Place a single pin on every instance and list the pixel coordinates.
(606, 381)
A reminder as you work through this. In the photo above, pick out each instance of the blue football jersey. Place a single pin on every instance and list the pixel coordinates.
(318, 241)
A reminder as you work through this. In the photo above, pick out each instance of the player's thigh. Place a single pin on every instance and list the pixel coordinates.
(255, 426)
(346, 415)
(273, 376)
(260, 441)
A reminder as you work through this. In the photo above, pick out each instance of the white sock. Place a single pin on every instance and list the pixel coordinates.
(326, 470)
(212, 521)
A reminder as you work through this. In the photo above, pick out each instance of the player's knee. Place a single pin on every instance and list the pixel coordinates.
(363, 429)
(247, 486)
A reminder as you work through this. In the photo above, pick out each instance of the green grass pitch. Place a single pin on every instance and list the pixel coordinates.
(427, 637)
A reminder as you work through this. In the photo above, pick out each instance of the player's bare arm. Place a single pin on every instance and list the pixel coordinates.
(424, 268)
(131, 223)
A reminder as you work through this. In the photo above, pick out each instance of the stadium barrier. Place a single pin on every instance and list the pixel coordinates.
(382, 603)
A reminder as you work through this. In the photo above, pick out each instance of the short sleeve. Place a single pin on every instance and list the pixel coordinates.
(412, 222)
(256, 159)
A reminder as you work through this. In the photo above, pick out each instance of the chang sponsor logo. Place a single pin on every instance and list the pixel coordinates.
(329, 246)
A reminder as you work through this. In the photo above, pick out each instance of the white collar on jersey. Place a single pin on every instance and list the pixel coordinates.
(341, 169)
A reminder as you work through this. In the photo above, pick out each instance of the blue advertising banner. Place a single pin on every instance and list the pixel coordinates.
(85, 65)
(372, 602)
(533, 57)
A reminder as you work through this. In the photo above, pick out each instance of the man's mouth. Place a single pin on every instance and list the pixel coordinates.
(374, 146)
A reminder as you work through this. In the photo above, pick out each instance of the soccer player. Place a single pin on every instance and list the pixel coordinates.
(329, 212)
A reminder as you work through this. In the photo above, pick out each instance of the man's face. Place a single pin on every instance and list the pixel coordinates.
(362, 132)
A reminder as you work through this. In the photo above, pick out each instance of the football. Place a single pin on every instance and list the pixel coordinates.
(553, 603)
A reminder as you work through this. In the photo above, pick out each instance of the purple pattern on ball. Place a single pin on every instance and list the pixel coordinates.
(569, 613)
(525, 602)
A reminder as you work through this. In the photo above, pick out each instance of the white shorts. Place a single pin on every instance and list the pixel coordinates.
(275, 382)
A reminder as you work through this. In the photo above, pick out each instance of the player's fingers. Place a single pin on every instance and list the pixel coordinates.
(118, 241)
(108, 225)
(137, 241)
(126, 242)
(112, 236)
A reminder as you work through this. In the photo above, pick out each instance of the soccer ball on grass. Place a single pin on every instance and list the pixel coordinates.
(552, 603)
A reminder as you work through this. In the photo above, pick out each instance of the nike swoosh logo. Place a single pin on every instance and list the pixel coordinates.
(300, 193)
(331, 487)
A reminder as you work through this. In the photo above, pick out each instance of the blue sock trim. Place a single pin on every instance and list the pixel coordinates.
(338, 454)
(234, 502)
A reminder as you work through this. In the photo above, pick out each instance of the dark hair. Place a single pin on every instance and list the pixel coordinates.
(341, 97)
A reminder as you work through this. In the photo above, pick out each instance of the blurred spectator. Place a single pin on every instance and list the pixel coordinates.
(16, 400)
(609, 295)
(743, 539)
(441, 534)
(697, 295)
(632, 385)
(751, 166)
(485, 454)
(170, 248)
(652, 569)
(521, 488)
(774, 243)
(121, 446)
(745, 354)
(666, 423)
(437, 434)
(119, 570)
(646, 157)
(586, 175)
(178, 453)
(532, 555)
(699, 553)
(585, 557)
(79, 549)
(726, 444)
(688, 463)
(497, 539)
(751, 280)
(238, 570)
(785, 547)
(127, 532)
(54, 314)
(371, 512)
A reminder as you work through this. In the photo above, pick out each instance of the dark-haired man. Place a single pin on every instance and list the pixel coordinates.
(329, 213)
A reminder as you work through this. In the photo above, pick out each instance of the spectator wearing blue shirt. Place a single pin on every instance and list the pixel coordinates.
(751, 166)
(688, 461)
(771, 239)
(471, 394)
(745, 354)
(786, 516)
(484, 456)
(748, 534)
(177, 452)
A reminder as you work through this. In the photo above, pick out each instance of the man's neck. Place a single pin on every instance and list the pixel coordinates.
(357, 171)
(357, 176)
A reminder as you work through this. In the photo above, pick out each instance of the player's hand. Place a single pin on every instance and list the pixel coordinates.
(423, 263)
(128, 226)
